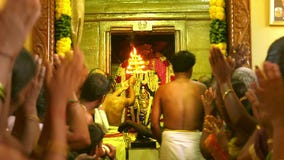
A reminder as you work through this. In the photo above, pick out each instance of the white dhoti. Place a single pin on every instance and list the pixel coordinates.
(180, 145)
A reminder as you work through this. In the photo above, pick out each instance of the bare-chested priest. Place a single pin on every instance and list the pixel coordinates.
(180, 104)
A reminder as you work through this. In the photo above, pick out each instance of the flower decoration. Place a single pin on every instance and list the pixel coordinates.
(218, 25)
(63, 14)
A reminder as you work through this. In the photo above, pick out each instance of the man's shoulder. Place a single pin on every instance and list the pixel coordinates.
(199, 84)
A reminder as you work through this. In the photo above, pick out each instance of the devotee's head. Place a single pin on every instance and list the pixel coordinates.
(183, 61)
(246, 75)
(95, 87)
(23, 71)
(275, 54)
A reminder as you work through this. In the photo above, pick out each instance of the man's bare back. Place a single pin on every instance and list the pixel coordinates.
(179, 101)
(181, 105)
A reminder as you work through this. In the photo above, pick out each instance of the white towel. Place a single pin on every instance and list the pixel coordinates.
(101, 118)
(180, 145)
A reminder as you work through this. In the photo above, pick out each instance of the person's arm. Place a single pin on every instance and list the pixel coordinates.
(78, 135)
(270, 94)
(26, 128)
(235, 110)
(216, 143)
(16, 20)
(60, 83)
(222, 70)
(207, 100)
(130, 99)
(245, 151)
(278, 141)
(155, 116)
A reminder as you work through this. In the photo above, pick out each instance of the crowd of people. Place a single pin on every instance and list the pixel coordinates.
(47, 109)
(240, 112)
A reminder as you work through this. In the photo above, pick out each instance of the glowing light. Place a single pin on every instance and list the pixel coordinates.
(135, 63)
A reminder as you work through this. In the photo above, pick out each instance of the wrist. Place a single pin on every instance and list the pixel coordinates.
(208, 113)
(29, 107)
(226, 88)
(72, 102)
(224, 82)
(6, 65)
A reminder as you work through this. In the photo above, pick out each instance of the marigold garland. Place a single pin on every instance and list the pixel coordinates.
(218, 26)
(63, 14)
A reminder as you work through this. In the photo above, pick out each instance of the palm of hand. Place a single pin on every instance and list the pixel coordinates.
(270, 90)
(222, 68)
(207, 99)
(17, 19)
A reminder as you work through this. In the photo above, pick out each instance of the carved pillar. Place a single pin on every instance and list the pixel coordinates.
(43, 33)
(239, 31)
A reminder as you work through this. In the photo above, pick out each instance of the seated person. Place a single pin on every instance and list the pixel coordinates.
(96, 149)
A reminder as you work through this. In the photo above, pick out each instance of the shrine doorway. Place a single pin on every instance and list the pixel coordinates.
(146, 43)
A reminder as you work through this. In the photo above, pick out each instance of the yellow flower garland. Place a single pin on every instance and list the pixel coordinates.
(63, 14)
(63, 46)
(63, 7)
(217, 11)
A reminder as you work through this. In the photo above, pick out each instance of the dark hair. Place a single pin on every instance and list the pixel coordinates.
(240, 89)
(23, 71)
(275, 54)
(95, 87)
(183, 61)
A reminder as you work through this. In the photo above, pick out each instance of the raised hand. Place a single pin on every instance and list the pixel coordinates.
(207, 99)
(212, 124)
(132, 81)
(270, 91)
(222, 68)
(16, 20)
(26, 127)
(216, 142)
(63, 77)
(35, 85)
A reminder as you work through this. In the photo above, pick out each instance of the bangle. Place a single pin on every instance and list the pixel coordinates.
(32, 117)
(226, 93)
(72, 101)
(2, 92)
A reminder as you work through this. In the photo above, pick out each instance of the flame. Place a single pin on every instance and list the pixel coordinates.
(135, 63)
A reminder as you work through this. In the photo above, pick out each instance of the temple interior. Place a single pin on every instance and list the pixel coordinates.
(125, 38)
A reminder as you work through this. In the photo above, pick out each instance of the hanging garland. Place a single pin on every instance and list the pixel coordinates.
(218, 25)
(63, 14)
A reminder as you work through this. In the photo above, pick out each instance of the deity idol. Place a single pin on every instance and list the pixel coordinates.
(155, 71)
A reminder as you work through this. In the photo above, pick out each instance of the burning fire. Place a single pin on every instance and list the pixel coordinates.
(135, 63)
